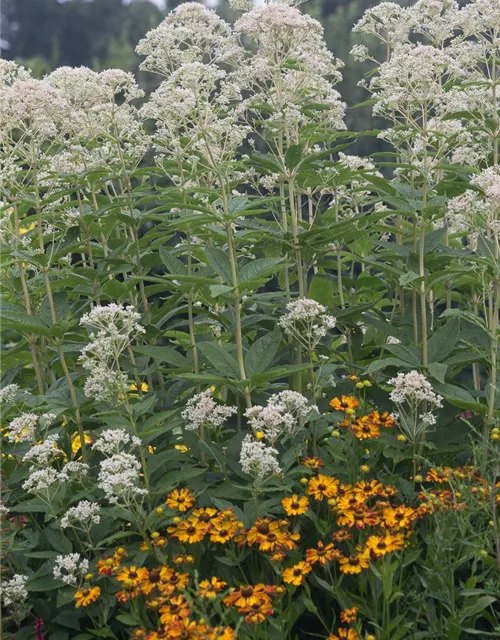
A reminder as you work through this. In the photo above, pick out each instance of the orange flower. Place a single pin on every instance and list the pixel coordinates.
(312, 463)
(85, 597)
(322, 487)
(204, 514)
(322, 554)
(349, 615)
(247, 596)
(182, 558)
(210, 588)
(343, 403)
(342, 535)
(174, 610)
(190, 531)
(257, 613)
(295, 506)
(439, 474)
(384, 419)
(132, 576)
(355, 563)
(271, 536)
(155, 578)
(363, 428)
(223, 528)
(180, 499)
(296, 574)
(398, 517)
(172, 580)
(367, 489)
(380, 545)
(344, 634)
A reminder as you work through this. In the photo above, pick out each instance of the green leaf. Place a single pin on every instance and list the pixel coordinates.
(220, 359)
(262, 352)
(219, 261)
(174, 265)
(128, 619)
(14, 317)
(217, 290)
(376, 365)
(258, 268)
(293, 156)
(114, 289)
(58, 540)
(443, 341)
(437, 370)
(432, 240)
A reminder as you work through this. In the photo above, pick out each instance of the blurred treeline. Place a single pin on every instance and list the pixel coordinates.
(45, 34)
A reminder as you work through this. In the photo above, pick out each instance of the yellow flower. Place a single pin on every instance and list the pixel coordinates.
(295, 506)
(84, 597)
(144, 387)
(23, 230)
(297, 574)
(182, 448)
(260, 435)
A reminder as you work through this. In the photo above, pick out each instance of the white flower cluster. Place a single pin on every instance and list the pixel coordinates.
(117, 327)
(85, 512)
(202, 410)
(8, 393)
(113, 441)
(257, 459)
(306, 321)
(413, 387)
(69, 567)
(45, 452)
(119, 476)
(22, 428)
(282, 416)
(14, 590)
(40, 480)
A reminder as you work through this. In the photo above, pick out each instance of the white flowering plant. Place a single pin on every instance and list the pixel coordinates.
(250, 384)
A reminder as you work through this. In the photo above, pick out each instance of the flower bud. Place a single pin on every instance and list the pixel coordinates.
(89, 576)
(359, 385)
(176, 520)
(335, 433)
(495, 436)
(495, 430)
(401, 437)
(155, 535)
(483, 553)
(259, 435)
(160, 510)
(367, 383)
(418, 478)
(304, 481)
(364, 468)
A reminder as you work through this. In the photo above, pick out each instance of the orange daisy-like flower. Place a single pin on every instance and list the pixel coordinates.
(385, 419)
(355, 563)
(85, 597)
(342, 535)
(363, 428)
(368, 489)
(155, 578)
(204, 514)
(398, 517)
(180, 499)
(223, 529)
(322, 487)
(322, 554)
(132, 576)
(439, 474)
(343, 403)
(312, 463)
(344, 634)
(381, 545)
(271, 536)
(172, 580)
(295, 506)
(247, 596)
(257, 613)
(349, 616)
(361, 517)
(210, 588)
(174, 610)
(297, 574)
(190, 531)
(221, 633)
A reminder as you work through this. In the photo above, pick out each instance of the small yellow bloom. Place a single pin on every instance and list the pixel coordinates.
(260, 435)
(495, 436)
(401, 437)
(155, 535)
(182, 448)
(304, 481)
(23, 230)
(89, 576)
(367, 383)
(144, 387)
(159, 510)
(212, 388)
(418, 478)
(364, 468)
